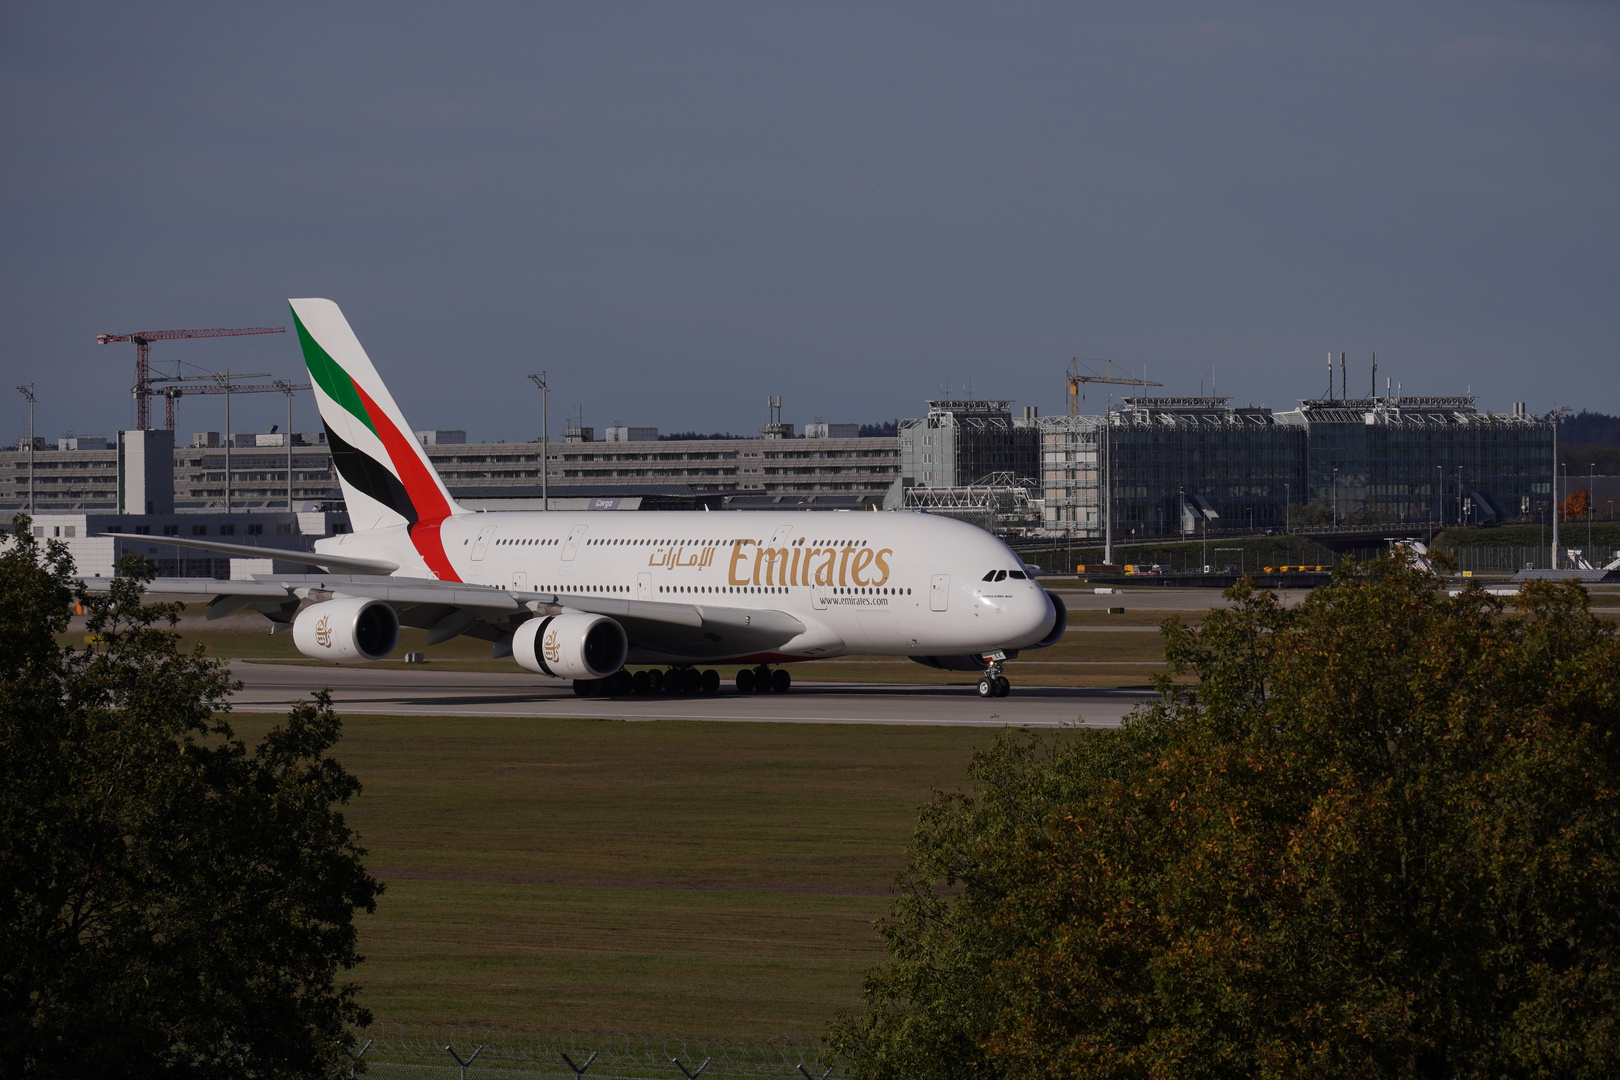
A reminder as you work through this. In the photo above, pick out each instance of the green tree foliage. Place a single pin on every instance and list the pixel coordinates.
(1379, 837)
(171, 903)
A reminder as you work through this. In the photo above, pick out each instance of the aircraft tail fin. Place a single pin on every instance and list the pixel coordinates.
(386, 476)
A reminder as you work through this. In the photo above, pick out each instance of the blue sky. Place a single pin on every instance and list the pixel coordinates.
(678, 210)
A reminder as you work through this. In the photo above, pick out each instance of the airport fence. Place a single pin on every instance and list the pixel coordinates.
(1481, 559)
(420, 1051)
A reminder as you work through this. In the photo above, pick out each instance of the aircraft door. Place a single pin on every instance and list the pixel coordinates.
(939, 592)
(481, 542)
(520, 581)
(571, 545)
(643, 586)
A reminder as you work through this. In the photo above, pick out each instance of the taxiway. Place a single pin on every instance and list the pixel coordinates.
(274, 687)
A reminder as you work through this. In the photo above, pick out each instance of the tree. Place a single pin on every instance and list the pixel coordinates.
(171, 903)
(1576, 505)
(1379, 836)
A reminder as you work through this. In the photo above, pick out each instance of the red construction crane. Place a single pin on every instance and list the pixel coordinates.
(143, 360)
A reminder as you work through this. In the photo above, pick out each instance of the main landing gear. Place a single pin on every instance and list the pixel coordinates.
(994, 683)
(677, 680)
(762, 680)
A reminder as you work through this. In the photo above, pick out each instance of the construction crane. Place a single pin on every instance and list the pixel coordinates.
(1076, 377)
(143, 362)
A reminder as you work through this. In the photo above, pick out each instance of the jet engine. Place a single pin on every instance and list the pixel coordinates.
(346, 631)
(1059, 624)
(574, 645)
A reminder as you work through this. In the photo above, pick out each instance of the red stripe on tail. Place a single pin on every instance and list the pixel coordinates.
(426, 497)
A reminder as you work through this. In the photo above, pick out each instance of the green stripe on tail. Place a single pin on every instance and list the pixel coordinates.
(329, 376)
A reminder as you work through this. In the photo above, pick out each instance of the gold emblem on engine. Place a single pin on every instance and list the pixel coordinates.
(323, 632)
(552, 649)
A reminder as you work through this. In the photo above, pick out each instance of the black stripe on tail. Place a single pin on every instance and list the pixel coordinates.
(370, 477)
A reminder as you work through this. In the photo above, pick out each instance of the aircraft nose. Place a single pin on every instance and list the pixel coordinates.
(1038, 612)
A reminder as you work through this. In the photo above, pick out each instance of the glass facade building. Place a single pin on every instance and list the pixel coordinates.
(1428, 459)
(1175, 462)
(963, 442)
(1181, 464)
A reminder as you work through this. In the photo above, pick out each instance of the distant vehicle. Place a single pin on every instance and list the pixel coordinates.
(578, 595)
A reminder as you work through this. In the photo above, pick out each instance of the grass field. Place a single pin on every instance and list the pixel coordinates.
(703, 880)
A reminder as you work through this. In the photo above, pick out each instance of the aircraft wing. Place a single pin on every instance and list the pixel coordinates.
(450, 609)
(250, 551)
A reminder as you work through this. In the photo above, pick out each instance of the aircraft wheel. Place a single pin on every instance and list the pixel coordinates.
(1003, 686)
(711, 681)
(745, 681)
(641, 683)
(623, 683)
(655, 679)
(584, 687)
(987, 687)
(780, 681)
(690, 681)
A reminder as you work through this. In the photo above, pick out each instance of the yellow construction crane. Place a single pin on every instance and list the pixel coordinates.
(1076, 377)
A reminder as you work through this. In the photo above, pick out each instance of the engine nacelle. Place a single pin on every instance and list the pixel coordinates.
(1060, 623)
(351, 630)
(571, 646)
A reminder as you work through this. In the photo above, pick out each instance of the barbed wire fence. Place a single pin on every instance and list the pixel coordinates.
(494, 1053)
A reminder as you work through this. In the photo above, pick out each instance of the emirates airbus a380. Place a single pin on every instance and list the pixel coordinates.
(580, 595)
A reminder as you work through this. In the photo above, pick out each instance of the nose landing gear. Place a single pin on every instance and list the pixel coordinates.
(993, 683)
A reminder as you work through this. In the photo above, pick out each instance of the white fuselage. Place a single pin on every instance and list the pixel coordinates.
(892, 582)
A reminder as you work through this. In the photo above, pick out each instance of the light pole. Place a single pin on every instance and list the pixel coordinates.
(1108, 483)
(545, 435)
(225, 381)
(1439, 497)
(287, 388)
(1591, 487)
(28, 392)
(1335, 498)
(1557, 412)
(1288, 506)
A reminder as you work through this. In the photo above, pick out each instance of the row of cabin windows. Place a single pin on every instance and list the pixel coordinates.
(516, 542)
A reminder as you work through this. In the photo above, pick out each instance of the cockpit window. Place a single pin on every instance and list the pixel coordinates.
(1019, 574)
(991, 576)
(1001, 575)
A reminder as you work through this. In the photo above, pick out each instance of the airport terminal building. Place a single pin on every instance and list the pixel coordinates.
(256, 473)
(1425, 459)
(1182, 465)
(1176, 464)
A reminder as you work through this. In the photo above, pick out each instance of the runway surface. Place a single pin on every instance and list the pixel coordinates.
(273, 687)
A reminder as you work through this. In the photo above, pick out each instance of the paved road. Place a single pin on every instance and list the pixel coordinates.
(1151, 598)
(272, 687)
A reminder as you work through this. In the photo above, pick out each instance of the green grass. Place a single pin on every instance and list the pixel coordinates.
(702, 880)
